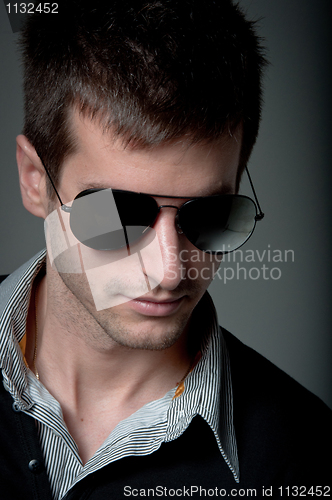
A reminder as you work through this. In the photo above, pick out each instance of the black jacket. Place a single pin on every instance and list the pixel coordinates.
(283, 435)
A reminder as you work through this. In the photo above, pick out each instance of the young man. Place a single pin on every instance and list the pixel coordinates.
(140, 119)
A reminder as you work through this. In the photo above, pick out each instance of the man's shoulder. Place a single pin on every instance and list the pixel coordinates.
(250, 366)
(259, 382)
(277, 421)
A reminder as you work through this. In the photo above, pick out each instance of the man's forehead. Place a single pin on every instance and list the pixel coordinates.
(96, 147)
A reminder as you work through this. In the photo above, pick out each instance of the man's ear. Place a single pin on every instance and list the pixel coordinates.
(32, 178)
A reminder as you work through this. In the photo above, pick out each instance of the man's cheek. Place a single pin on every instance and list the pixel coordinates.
(108, 277)
(79, 287)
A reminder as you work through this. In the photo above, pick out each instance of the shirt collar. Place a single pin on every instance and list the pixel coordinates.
(208, 388)
(14, 303)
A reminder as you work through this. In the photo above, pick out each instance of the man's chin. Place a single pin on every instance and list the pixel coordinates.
(142, 332)
(135, 324)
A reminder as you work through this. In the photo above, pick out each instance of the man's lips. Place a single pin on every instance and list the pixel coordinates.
(156, 300)
(152, 306)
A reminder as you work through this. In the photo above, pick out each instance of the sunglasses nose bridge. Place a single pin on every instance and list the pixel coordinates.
(178, 227)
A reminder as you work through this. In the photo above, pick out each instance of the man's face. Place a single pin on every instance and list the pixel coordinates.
(157, 318)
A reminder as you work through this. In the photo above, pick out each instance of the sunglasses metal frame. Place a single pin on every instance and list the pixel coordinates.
(259, 214)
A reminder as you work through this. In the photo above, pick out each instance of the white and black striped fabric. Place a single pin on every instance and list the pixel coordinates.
(207, 393)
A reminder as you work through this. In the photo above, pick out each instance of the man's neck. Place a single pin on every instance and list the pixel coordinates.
(96, 381)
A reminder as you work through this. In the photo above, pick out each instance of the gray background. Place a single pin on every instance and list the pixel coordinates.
(288, 319)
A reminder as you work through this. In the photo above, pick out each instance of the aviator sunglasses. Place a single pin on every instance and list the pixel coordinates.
(110, 219)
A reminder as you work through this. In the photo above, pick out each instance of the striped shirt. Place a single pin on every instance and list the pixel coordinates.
(207, 392)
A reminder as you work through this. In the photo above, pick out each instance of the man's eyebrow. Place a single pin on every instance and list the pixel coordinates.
(224, 189)
(83, 186)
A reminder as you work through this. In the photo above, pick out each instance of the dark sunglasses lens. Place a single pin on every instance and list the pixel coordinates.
(218, 224)
(110, 220)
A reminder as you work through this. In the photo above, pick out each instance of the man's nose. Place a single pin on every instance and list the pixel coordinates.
(170, 240)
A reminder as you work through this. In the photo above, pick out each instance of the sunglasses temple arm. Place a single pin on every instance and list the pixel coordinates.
(51, 181)
(260, 215)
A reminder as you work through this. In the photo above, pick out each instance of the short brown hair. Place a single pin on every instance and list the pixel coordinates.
(150, 71)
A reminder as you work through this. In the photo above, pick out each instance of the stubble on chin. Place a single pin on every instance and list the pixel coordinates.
(146, 333)
(117, 325)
